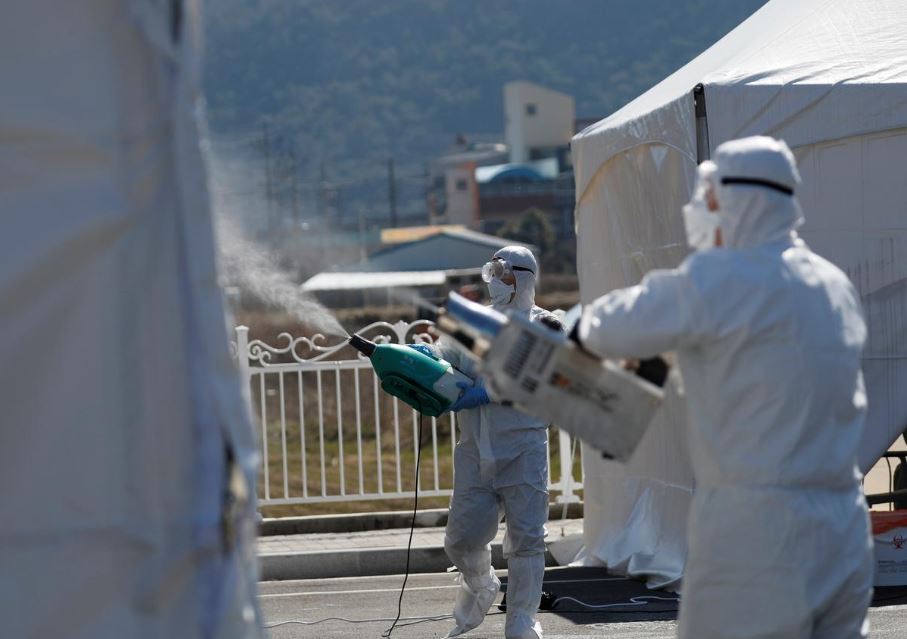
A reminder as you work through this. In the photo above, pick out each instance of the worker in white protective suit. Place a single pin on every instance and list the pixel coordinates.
(500, 467)
(768, 337)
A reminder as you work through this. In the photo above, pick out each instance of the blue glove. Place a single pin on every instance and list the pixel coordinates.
(472, 397)
(425, 349)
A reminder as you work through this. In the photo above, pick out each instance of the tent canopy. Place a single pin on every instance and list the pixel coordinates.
(806, 71)
(830, 78)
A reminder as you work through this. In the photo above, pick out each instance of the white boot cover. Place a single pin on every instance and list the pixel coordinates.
(473, 603)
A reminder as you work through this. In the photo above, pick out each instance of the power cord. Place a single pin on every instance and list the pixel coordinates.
(411, 621)
(641, 600)
(387, 633)
(396, 621)
(550, 600)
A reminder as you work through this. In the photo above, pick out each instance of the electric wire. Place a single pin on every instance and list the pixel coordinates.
(633, 601)
(591, 609)
(396, 620)
(387, 633)
(411, 621)
(637, 611)
(640, 600)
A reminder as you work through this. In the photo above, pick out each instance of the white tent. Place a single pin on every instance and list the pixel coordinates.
(829, 77)
(127, 458)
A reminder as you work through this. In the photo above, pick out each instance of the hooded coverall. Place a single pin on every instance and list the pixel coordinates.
(768, 337)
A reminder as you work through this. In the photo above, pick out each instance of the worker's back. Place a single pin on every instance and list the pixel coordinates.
(777, 369)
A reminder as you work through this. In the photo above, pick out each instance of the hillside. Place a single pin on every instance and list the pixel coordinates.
(349, 83)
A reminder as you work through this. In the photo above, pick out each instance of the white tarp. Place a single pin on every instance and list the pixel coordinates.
(829, 77)
(121, 407)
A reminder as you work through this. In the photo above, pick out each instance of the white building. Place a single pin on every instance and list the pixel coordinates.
(538, 122)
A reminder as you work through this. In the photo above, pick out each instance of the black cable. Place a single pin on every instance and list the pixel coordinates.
(412, 621)
(387, 633)
(585, 611)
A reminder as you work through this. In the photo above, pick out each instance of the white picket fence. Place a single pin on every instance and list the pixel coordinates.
(329, 434)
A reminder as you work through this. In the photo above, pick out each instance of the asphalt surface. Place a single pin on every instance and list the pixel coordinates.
(373, 602)
(432, 595)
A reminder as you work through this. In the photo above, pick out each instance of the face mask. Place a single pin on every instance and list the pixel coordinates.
(700, 224)
(500, 293)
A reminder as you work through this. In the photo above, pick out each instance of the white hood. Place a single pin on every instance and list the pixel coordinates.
(755, 184)
(525, 281)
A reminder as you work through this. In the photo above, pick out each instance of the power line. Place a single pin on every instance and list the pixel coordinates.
(392, 192)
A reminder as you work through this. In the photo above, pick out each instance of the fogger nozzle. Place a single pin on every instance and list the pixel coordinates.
(362, 345)
(479, 319)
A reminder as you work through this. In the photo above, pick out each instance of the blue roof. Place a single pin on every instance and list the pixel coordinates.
(536, 171)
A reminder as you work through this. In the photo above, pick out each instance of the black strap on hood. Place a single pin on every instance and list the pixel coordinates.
(750, 181)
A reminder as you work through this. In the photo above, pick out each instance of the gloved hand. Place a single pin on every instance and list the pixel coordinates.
(425, 349)
(472, 397)
(654, 370)
(574, 333)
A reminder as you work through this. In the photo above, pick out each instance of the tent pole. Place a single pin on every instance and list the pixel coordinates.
(703, 152)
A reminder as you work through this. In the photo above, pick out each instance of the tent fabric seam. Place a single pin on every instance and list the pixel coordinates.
(635, 145)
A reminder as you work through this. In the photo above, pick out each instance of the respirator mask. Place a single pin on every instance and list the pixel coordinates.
(499, 292)
(492, 272)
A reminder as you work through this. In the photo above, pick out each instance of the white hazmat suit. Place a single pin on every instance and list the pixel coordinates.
(768, 338)
(500, 467)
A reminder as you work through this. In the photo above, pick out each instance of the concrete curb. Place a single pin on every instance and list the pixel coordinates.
(365, 563)
(360, 522)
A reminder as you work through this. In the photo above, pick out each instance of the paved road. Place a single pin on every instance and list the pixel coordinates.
(432, 595)
(364, 598)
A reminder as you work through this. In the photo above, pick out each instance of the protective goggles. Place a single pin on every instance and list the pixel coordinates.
(499, 268)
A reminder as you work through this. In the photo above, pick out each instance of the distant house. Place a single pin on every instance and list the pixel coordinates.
(538, 122)
(431, 266)
(486, 185)
(508, 190)
(454, 196)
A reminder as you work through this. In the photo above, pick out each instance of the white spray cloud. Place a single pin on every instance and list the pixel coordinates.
(246, 263)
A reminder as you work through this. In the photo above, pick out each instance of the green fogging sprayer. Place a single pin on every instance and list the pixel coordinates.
(427, 383)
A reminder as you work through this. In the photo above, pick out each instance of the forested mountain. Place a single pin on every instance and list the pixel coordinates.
(350, 83)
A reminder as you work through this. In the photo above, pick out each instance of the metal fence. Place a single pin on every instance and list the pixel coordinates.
(890, 476)
(329, 434)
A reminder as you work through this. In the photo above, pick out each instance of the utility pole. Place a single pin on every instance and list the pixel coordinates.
(362, 251)
(324, 210)
(427, 194)
(293, 175)
(321, 201)
(392, 192)
(269, 186)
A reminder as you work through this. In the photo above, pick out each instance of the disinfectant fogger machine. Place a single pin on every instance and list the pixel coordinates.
(527, 364)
